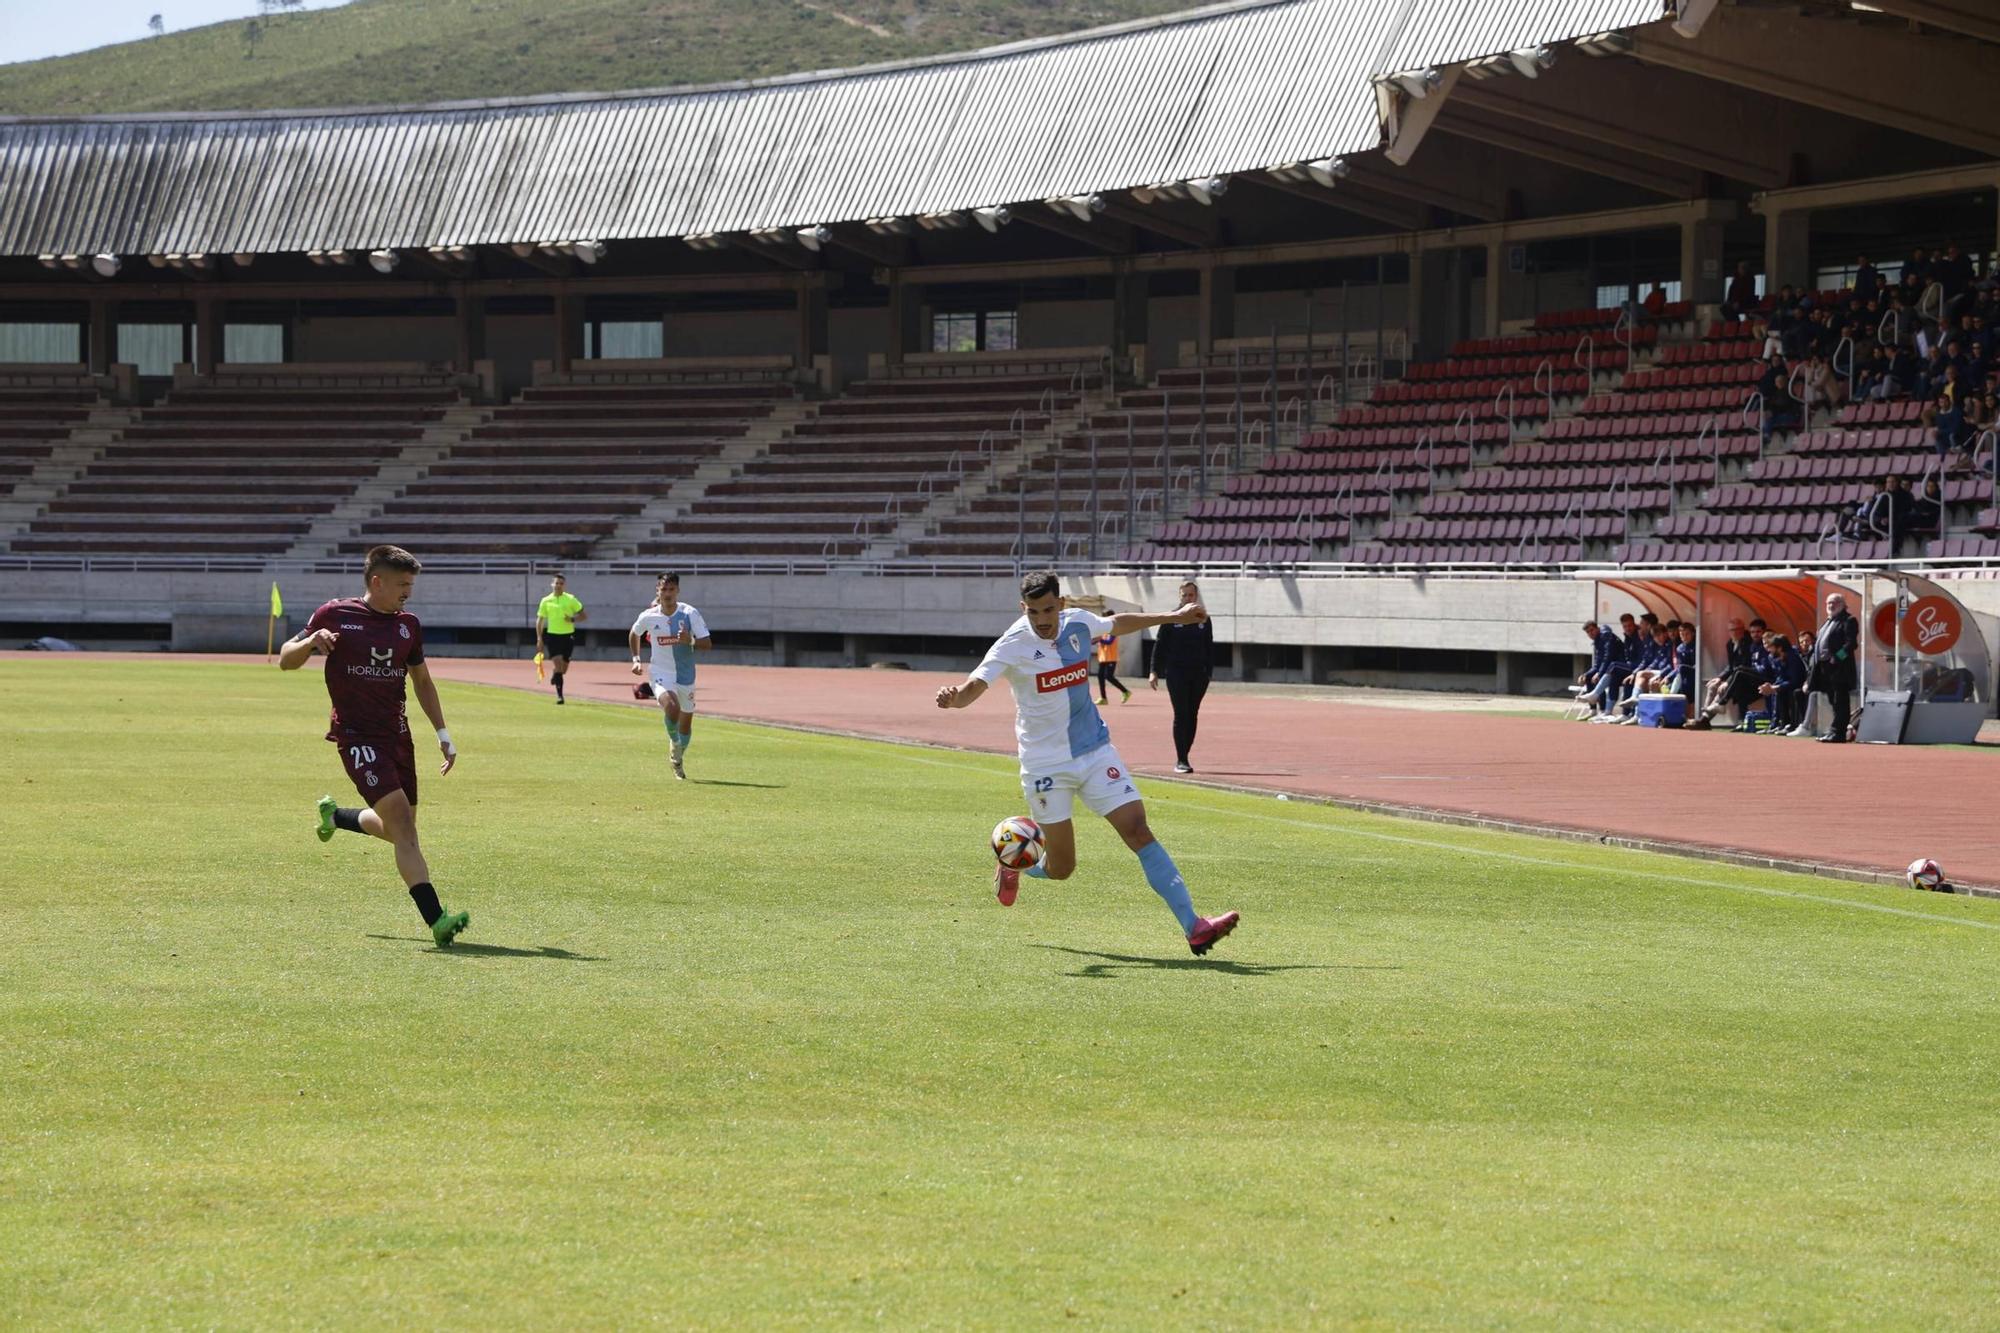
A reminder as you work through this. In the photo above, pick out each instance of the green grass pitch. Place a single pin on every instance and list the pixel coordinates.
(761, 1050)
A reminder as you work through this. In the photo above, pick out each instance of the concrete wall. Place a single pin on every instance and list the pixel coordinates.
(514, 343)
(427, 338)
(851, 336)
(734, 333)
(1065, 323)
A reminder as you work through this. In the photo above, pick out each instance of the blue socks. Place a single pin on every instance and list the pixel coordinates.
(1035, 871)
(1167, 882)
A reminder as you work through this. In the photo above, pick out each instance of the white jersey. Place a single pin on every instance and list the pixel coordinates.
(671, 657)
(1055, 719)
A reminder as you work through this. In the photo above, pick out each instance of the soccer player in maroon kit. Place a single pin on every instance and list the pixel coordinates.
(372, 644)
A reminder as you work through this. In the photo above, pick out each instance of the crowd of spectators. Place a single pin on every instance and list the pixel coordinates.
(1931, 336)
(1763, 685)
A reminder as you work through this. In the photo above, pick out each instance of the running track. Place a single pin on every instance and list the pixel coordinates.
(1846, 809)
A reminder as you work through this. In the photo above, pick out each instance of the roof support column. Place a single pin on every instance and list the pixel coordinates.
(811, 354)
(207, 334)
(1701, 261)
(906, 309)
(569, 328)
(1131, 295)
(101, 340)
(1217, 315)
(1787, 248)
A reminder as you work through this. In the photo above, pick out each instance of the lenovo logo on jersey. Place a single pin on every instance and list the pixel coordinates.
(1048, 682)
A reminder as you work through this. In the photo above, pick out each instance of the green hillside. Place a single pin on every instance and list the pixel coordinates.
(379, 51)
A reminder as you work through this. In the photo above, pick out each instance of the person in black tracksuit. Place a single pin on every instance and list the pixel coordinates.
(1184, 655)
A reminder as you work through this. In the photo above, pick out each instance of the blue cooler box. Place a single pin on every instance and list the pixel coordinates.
(1662, 710)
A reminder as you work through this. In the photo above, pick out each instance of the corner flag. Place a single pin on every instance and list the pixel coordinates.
(277, 607)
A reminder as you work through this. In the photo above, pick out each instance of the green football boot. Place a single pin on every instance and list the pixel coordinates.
(445, 929)
(326, 819)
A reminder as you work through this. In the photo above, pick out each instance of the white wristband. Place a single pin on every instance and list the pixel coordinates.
(635, 661)
(444, 736)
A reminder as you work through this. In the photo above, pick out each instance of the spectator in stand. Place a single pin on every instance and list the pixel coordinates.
(1900, 327)
(1890, 515)
(1865, 276)
(1786, 679)
(1655, 303)
(1834, 670)
(1741, 297)
(1823, 388)
(1917, 269)
(1871, 377)
(1946, 424)
(1781, 410)
(1953, 272)
(1736, 683)
(1927, 511)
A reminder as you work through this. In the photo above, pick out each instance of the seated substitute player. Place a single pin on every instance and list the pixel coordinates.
(556, 619)
(1066, 750)
(372, 644)
(676, 630)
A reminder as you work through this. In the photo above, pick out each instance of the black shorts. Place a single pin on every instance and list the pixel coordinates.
(559, 645)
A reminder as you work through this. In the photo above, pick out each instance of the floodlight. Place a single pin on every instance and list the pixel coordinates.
(1327, 171)
(1082, 207)
(588, 251)
(1209, 189)
(106, 266)
(1418, 83)
(384, 261)
(1530, 61)
(993, 219)
(812, 238)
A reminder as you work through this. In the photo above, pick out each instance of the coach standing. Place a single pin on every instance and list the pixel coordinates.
(1184, 654)
(1835, 672)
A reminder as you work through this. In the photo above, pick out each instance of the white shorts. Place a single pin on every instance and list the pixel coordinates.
(663, 685)
(1100, 778)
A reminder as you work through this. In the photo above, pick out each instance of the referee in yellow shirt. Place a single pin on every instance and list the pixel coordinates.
(556, 620)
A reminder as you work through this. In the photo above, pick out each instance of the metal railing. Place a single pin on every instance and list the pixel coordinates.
(1756, 400)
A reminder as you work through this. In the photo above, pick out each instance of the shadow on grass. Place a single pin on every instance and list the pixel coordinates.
(718, 782)
(1111, 964)
(468, 949)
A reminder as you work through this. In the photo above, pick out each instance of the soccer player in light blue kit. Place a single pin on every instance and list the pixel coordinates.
(675, 630)
(1066, 750)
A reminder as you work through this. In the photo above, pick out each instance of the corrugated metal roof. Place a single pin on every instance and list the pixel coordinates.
(1232, 88)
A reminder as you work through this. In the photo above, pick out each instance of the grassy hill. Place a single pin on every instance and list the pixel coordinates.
(380, 51)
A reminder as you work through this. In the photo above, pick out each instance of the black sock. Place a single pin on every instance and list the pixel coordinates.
(347, 819)
(426, 899)
(558, 680)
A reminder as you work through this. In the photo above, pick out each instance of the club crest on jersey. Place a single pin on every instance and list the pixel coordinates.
(1113, 774)
(1061, 678)
(403, 630)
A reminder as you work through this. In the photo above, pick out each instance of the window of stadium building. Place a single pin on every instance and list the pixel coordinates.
(1841, 276)
(974, 331)
(1611, 295)
(25, 344)
(154, 349)
(253, 344)
(621, 340)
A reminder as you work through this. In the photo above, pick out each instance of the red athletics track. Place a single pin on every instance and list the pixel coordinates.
(1844, 808)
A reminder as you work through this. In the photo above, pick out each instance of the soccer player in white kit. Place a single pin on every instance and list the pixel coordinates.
(1066, 750)
(675, 630)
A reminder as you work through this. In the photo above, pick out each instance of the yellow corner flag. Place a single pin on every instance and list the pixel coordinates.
(271, 630)
(277, 607)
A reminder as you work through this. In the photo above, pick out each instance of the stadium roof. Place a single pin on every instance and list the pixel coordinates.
(1232, 88)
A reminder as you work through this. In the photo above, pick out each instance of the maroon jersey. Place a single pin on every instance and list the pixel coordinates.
(366, 669)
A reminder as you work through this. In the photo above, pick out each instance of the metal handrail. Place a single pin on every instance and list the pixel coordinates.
(1586, 363)
(1627, 326)
(1017, 423)
(1883, 323)
(1805, 406)
(1427, 445)
(1992, 466)
(1846, 344)
(1507, 392)
(1711, 428)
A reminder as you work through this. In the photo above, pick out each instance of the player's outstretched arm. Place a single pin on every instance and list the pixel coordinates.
(962, 695)
(426, 691)
(1131, 622)
(302, 646)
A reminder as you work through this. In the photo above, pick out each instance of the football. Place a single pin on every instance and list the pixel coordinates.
(1017, 841)
(1924, 873)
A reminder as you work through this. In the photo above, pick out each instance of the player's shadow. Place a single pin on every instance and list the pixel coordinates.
(1111, 964)
(467, 949)
(718, 782)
